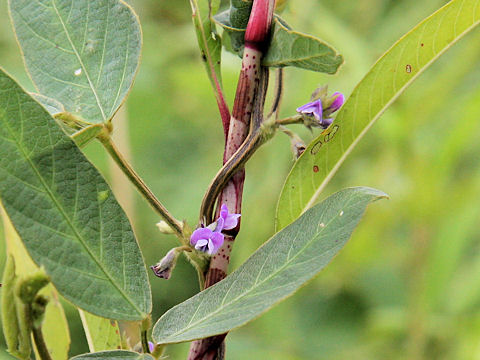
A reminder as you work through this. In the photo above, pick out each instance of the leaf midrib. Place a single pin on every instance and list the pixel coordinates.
(92, 87)
(62, 211)
(367, 127)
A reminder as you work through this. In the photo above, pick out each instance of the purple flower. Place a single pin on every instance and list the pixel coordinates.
(226, 221)
(313, 108)
(317, 112)
(151, 346)
(206, 240)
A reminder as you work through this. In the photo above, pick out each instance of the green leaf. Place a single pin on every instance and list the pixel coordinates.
(234, 21)
(291, 48)
(51, 105)
(102, 334)
(81, 53)
(65, 212)
(275, 271)
(388, 78)
(54, 326)
(112, 355)
(287, 47)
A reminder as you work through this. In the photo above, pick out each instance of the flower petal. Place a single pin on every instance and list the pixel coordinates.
(200, 244)
(231, 221)
(217, 240)
(200, 233)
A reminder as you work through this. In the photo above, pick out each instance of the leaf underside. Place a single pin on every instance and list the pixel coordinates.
(82, 53)
(388, 78)
(65, 213)
(275, 271)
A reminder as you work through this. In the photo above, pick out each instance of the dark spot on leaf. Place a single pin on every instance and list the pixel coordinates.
(316, 148)
(331, 134)
(112, 322)
(421, 44)
(315, 168)
(408, 68)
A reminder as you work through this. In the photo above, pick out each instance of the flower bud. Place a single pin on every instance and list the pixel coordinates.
(163, 269)
(164, 228)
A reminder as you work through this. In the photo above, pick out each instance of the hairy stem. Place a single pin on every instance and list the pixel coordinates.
(40, 343)
(144, 339)
(138, 182)
(246, 103)
(296, 119)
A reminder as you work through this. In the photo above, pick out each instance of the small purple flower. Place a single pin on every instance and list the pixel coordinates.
(206, 240)
(313, 108)
(151, 346)
(321, 108)
(226, 221)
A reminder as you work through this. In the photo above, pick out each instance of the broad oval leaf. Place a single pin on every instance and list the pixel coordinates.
(66, 214)
(114, 355)
(102, 334)
(291, 48)
(275, 271)
(82, 53)
(392, 73)
(287, 47)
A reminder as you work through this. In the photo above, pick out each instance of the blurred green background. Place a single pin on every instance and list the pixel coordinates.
(407, 285)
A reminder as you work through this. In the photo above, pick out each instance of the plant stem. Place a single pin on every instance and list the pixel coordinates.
(138, 182)
(295, 119)
(248, 100)
(40, 343)
(144, 339)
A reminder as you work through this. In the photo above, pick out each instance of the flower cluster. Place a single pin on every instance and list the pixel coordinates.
(317, 112)
(209, 239)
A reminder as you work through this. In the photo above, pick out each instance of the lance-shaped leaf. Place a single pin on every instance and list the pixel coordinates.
(111, 355)
(82, 53)
(291, 48)
(275, 271)
(388, 78)
(54, 326)
(102, 334)
(65, 212)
